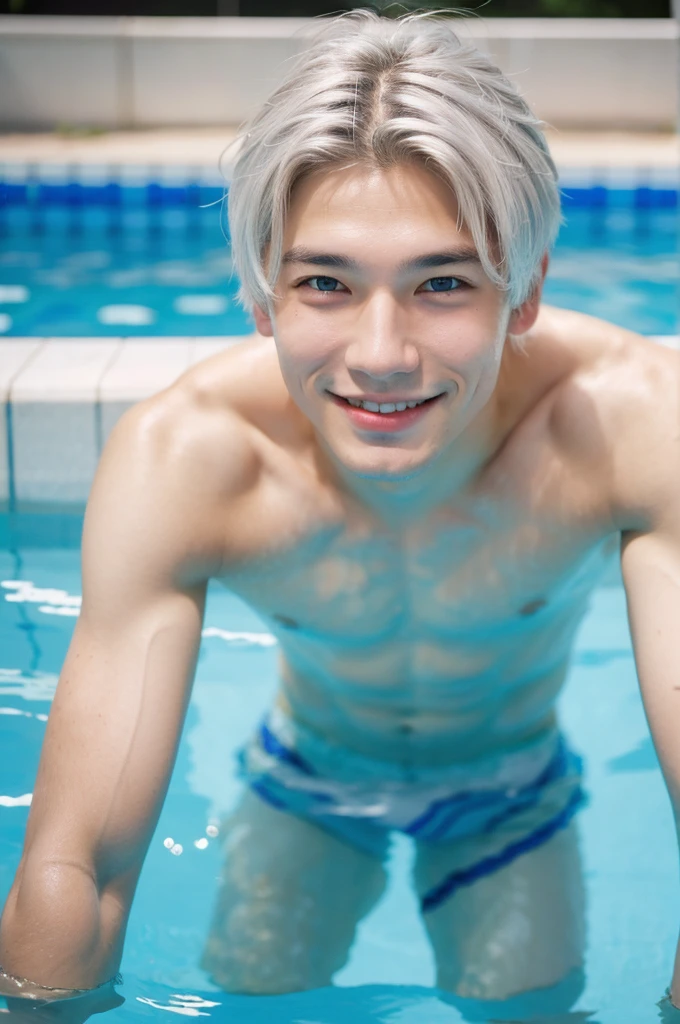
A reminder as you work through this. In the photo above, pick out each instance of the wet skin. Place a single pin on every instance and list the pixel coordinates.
(425, 579)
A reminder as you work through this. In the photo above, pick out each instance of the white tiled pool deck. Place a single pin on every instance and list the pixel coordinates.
(61, 397)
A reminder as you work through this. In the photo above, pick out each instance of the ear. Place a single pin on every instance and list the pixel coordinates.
(524, 317)
(263, 322)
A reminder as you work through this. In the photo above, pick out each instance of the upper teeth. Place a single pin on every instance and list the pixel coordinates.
(384, 406)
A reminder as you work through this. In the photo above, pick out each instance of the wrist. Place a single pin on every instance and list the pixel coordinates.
(16, 987)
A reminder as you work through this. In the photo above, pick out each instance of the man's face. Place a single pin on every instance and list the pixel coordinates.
(382, 298)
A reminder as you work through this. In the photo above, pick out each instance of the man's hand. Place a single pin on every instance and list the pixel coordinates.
(668, 1013)
(73, 1010)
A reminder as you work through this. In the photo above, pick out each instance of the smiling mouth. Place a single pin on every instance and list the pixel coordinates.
(386, 408)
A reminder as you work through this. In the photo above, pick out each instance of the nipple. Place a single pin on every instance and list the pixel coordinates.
(533, 606)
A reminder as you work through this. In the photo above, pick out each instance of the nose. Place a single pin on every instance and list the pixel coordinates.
(380, 347)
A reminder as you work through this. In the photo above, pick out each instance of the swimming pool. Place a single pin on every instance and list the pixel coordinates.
(627, 832)
(139, 257)
(145, 247)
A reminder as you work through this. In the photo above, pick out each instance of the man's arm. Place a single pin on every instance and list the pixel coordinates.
(647, 475)
(112, 735)
(651, 568)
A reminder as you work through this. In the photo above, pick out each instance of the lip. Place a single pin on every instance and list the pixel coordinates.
(385, 422)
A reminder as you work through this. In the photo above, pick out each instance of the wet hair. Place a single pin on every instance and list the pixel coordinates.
(382, 92)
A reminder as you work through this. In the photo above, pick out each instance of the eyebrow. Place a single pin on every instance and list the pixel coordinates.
(336, 261)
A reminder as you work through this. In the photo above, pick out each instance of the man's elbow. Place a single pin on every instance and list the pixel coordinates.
(57, 928)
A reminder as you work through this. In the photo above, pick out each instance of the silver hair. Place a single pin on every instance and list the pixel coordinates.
(382, 92)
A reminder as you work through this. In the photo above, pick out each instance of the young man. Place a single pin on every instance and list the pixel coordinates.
(415, 477)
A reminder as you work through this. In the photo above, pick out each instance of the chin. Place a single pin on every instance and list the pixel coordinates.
(385, 463)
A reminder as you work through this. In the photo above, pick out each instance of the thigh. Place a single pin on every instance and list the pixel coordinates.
(290, 897)
(518, 928)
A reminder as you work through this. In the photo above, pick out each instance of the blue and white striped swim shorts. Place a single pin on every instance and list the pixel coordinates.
(490, 812)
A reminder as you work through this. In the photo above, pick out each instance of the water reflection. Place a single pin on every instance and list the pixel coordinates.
(186, 1006)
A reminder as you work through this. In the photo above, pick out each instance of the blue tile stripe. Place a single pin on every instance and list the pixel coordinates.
(597, 197)
(75, 194)
(457, 879)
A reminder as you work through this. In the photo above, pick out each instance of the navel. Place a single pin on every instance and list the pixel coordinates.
(533, 606)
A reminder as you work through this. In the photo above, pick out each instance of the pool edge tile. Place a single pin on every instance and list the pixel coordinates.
(65, 370)
(17, 353)
(53, 415)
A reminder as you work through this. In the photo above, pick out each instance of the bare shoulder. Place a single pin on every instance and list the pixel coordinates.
(179, 466)
(618, 412)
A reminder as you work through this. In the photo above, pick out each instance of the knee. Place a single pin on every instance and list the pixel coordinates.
(525, 998)
(283, 942)
(264, 945)
(489, 984)
(514, 957)
(259, 970)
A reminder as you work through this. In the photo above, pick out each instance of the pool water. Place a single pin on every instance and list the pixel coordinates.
(155, 263)
(144, 272)
(627, 833)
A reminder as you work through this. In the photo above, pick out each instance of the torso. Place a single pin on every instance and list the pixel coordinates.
(439, 640)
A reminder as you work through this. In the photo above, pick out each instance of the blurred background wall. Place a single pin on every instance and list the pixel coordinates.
(104, 72)
(313, 8)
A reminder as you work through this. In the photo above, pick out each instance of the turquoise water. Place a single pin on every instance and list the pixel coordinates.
(627, 834)
(140, 270)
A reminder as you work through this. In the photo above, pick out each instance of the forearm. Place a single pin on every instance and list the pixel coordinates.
(58, 930)
(674, 792)
(675, 980)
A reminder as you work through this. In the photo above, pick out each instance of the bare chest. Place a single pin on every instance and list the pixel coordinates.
(493, 567)
(458, 625)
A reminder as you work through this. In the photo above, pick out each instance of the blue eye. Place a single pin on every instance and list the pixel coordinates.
(323, 284)
(442, 284)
